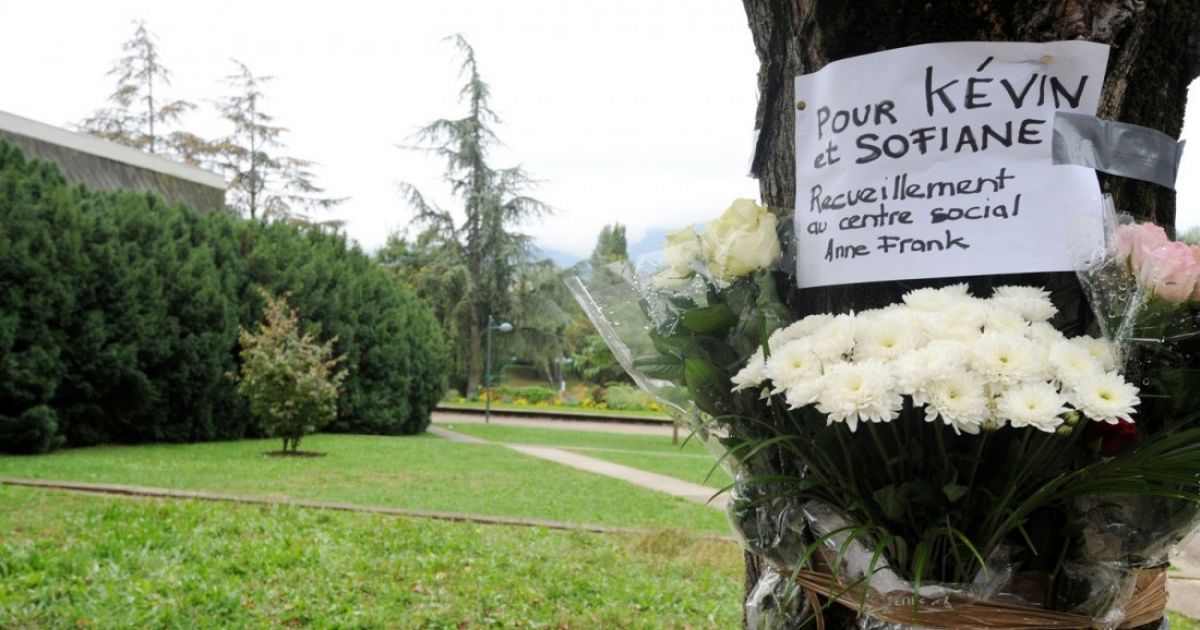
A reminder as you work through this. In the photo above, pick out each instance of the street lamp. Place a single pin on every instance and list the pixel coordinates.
(503, 327)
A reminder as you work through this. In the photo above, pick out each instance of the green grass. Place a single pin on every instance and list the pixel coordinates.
(554, 409)
(1179, 622)
(79, 561)
(424, 473)
(568, 437)
(688, 460)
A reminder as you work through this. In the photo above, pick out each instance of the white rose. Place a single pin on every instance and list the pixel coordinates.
(682, 248)
(741, 241)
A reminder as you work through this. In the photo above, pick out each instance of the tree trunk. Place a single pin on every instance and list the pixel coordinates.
(1154, 58)
(475, 333)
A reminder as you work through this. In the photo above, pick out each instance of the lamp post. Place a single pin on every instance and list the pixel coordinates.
(503, 327)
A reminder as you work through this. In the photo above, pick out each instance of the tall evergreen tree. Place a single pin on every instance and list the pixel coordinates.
(139, 115)
(611, 245)
(493, 204)
(265, 184)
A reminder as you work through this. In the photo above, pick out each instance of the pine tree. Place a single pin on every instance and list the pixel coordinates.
(139, 116)
(264, 183)
(611, 245)
(493, 204)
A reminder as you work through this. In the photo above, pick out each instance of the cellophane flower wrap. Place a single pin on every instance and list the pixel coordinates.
(951, 448)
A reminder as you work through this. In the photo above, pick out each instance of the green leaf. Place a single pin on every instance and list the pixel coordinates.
(954, 492)
(660, 366)
(891, 500)
(1183, 385)
(679, 346)
(709, 319)
(709, 385)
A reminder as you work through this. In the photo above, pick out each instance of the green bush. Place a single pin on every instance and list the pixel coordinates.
(537, 394)
(290, 380)
(393, 346)
(34, 431)
(119, 314)
(626, 398)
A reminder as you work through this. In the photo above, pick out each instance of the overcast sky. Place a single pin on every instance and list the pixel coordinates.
(634, 111)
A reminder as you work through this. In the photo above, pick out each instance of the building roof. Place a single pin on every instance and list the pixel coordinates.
(97, 163)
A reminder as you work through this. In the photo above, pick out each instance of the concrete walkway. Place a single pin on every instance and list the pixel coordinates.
(659, 483)
(1183, 581)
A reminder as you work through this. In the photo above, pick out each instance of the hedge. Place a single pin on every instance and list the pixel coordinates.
(119, 318)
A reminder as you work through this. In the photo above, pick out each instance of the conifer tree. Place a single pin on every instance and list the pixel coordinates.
(493, 204)
(264, 183)
(139, 115)
(611, 245)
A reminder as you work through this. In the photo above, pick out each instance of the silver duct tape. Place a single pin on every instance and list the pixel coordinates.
(1116, 148)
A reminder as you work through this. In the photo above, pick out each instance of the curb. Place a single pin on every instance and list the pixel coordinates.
(456, 517)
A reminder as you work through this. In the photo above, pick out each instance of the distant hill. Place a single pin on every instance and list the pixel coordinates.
(648, 245)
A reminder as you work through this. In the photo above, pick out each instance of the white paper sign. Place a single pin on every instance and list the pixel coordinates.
(935, 160)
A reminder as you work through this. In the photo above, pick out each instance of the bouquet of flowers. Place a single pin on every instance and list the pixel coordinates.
(951, 460)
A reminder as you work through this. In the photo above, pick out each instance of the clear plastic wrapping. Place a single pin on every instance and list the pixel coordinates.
(907, 510)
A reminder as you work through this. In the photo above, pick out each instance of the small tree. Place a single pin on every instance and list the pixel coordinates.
(287, 376)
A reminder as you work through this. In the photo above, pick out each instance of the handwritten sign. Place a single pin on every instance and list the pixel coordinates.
(935, 160)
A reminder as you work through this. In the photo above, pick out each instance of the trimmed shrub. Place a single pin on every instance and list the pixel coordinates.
(34, 431)
(626, 398)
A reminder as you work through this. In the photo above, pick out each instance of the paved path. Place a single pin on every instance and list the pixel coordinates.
(1183, 581)
(660, 483)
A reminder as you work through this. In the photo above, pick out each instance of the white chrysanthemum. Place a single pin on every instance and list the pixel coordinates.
(798, 329)
(753, 374)
(854, 392)
(1037, 405)
(887, 335)
(834, 340)
(1105, 397)
(1101, 349)
(1001, 318)
(1044, 334)
(1007, 359)
(803, 392)
(936, 361)
(1032, 303)
(959, 401)
(935, 300)
(1071, 364)
(792, 364)
(962, 320)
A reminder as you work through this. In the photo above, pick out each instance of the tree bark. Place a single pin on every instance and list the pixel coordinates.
(1155, 56)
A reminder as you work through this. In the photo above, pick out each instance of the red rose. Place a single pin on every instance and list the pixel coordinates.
(1112, 437)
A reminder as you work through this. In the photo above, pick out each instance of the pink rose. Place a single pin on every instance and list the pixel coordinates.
(1170, 270)
(1135, 241)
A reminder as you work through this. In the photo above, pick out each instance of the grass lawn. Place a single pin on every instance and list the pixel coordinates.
(568, 437)
(551, 410)
(688, 460)
(424, 473)
(79, 561)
